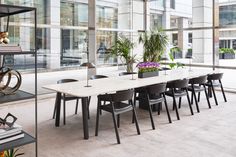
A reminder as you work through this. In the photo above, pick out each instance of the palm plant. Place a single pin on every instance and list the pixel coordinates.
(122, 48)
(154, 43)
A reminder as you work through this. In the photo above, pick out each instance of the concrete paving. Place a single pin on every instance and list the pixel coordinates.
(210, 133)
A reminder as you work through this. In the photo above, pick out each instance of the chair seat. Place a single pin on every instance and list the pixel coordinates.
(196, 88)
(119, 107)
(177, 93)
(214, 83)
(70, 97)
(156, 101)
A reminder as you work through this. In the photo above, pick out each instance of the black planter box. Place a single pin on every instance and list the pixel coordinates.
(221, 56)
(148, 74)
(229, 55)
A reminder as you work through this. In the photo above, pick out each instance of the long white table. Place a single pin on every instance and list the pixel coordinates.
(107, 85)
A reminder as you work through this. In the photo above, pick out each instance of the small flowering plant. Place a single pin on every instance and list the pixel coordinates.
(148, 67)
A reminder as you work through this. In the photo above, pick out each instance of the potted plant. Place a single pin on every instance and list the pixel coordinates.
(174, 64)
(189, 53)
(227, 53)
(148, 69)
(122, 48)
(154, 43)
(12, 153)
(176, 52)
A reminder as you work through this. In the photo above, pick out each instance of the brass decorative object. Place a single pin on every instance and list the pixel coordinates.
(4, 38)
(5, 85)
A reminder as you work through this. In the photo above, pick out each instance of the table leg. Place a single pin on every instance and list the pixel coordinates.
(85, 117)
(58, 109)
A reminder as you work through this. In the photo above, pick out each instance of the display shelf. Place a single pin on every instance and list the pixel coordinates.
(27, 139)
(19, 95)
(7, 11)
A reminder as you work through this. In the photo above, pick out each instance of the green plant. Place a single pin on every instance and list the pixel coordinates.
(13, 153)
(148, 67)
(122, 48)
(154, 43)
(175, 50)
(226, 50)
(174, 64)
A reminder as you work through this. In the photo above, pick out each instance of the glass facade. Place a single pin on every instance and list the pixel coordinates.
(228, 15)
(63, 34)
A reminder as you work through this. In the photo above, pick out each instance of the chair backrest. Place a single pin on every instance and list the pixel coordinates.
(198, 80)
(217, 76)
(98, 77)
(178, 84)
(126, 73)
(66, 81)
(156, 89)
(122, 95)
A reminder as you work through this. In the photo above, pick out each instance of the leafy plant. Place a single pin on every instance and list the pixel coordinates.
(174, 64)
(122, 48)
(175, 50)
(13, 153)
(154, 43)
(226, 50)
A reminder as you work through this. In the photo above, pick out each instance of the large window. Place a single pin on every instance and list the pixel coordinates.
(74, 14)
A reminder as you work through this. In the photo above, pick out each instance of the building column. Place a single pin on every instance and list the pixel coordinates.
(166, 25)
(183, 35)
(203, 39)
(92, 48)
(54, 60)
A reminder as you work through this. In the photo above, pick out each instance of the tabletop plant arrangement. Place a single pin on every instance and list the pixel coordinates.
(154, 44)
(148, 69)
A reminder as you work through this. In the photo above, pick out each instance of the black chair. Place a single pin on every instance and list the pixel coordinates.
(137, 91)
(178, 89)
(117, 106)
(198, 85)
(214, 80)
(126, 73)
(156, 95)
(65, 98)
(93, 77)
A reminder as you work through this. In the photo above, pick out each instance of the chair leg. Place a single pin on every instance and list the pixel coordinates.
(195, 98)
(89, 99)
(159, 108)
(167, 110)
(223, 92)
(64, 111)
(175, 106)
(54, 111)
(180, 98)
(115, 125)
(192, 98)
(214, 94)
(97, 119)
(150, 113)
(190, 106)
(198, 98)
(134, 105)
(135, 118)
(118, 120)
(76, 107)
(207, 97)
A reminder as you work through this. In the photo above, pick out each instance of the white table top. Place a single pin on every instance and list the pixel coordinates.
(112, 84)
